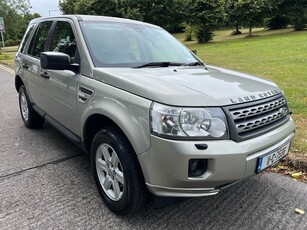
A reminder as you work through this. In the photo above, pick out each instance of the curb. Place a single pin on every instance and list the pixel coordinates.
(298, 162)
(6, 68)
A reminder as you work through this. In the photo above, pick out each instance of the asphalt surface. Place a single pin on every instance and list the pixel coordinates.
(46, 183)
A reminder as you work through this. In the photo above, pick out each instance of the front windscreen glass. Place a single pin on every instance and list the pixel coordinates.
(117, 44)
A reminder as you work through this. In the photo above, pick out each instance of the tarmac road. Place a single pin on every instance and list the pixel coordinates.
(46, 183)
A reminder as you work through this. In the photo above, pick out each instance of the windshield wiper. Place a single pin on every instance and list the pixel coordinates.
(159, 64)
(198, 63)
(167, 64)
(153, 64)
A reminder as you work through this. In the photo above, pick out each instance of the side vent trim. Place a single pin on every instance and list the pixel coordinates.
(84, 94)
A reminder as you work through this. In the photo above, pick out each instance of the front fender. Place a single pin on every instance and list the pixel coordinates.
(129, 112)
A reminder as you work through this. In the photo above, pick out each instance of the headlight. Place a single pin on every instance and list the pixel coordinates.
(177, 122)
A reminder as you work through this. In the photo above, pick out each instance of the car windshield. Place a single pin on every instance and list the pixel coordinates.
(118, 44)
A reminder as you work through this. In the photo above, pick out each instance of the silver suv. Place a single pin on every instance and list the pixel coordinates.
(151, 115)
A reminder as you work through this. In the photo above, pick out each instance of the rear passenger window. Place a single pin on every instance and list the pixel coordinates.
(63, 40)
(37, 45)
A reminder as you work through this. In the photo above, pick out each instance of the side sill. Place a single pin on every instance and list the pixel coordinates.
(66, 132)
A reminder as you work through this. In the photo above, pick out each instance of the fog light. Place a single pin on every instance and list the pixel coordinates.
(197, 167)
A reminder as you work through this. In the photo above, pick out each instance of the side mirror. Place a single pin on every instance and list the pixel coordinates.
(57, 61)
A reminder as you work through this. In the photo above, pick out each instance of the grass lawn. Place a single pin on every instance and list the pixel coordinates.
(279, 55)
(7, 58)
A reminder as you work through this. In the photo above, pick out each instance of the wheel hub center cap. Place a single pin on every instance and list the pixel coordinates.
(111, 171)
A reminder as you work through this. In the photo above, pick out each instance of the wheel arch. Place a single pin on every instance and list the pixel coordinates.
(18, 82)
(93, 125)
(132, 120)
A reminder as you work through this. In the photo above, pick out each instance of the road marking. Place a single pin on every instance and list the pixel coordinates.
(7, 69)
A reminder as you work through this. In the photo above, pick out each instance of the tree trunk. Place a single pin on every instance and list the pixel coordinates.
(250, 29)
(203, 38)
(237, 28)
(236, 31)
(299, 25)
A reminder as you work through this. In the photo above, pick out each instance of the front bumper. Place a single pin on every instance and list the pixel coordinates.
(165, 164)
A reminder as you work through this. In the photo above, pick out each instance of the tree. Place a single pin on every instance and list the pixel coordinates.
(277, 19)
(93, 7)
(256, 10)
(98, 7)
(67, 6)
(297, 11)
(21, 6)
(247, 12)
(16, 17)
(167, 14)
(235, 14)
(205, 15)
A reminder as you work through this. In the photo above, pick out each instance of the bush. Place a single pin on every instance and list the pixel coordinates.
(188, 30)
(204, 35)
(299, 23)
(10, 42)
(188, 37)
(278, 23)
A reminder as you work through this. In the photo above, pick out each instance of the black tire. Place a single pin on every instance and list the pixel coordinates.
(132, 193)
(29, 116)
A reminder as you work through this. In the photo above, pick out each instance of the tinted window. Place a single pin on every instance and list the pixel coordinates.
(63, 40)
(37, 45)
(25, 38)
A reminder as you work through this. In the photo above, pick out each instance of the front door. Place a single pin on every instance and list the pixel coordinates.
(61, 85)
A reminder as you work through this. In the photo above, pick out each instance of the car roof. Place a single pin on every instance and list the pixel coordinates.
(92, 18)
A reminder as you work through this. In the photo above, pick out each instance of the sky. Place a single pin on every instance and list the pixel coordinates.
(45, 7)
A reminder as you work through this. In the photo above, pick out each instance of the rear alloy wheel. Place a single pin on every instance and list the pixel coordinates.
(117, 172)
(29, 116)
(24, 106)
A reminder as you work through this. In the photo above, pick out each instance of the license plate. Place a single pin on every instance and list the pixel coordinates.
(272, 157)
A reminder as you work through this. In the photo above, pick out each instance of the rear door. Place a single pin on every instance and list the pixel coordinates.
(31, 63)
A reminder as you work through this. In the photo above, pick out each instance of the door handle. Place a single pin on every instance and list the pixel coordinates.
(45, 75)
(16, 58)
(25, 66)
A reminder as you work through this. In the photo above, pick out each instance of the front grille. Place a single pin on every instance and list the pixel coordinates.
(255, 118)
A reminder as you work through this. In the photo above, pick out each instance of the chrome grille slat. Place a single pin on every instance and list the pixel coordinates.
(249, 119)
(259, 122)
(259, 109)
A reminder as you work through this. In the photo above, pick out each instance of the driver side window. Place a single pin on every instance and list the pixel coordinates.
(64, 41)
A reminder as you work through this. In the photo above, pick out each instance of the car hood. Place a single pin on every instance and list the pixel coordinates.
(188, 86)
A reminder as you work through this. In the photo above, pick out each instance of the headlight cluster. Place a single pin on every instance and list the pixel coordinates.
(176, 122)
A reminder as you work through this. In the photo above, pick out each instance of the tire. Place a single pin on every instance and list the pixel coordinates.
(117, 172)
(29, 116)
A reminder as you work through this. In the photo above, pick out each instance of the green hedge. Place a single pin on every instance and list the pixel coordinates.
(10, 42)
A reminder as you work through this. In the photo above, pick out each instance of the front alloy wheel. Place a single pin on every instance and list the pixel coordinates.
(117, 172)
(110, 172)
